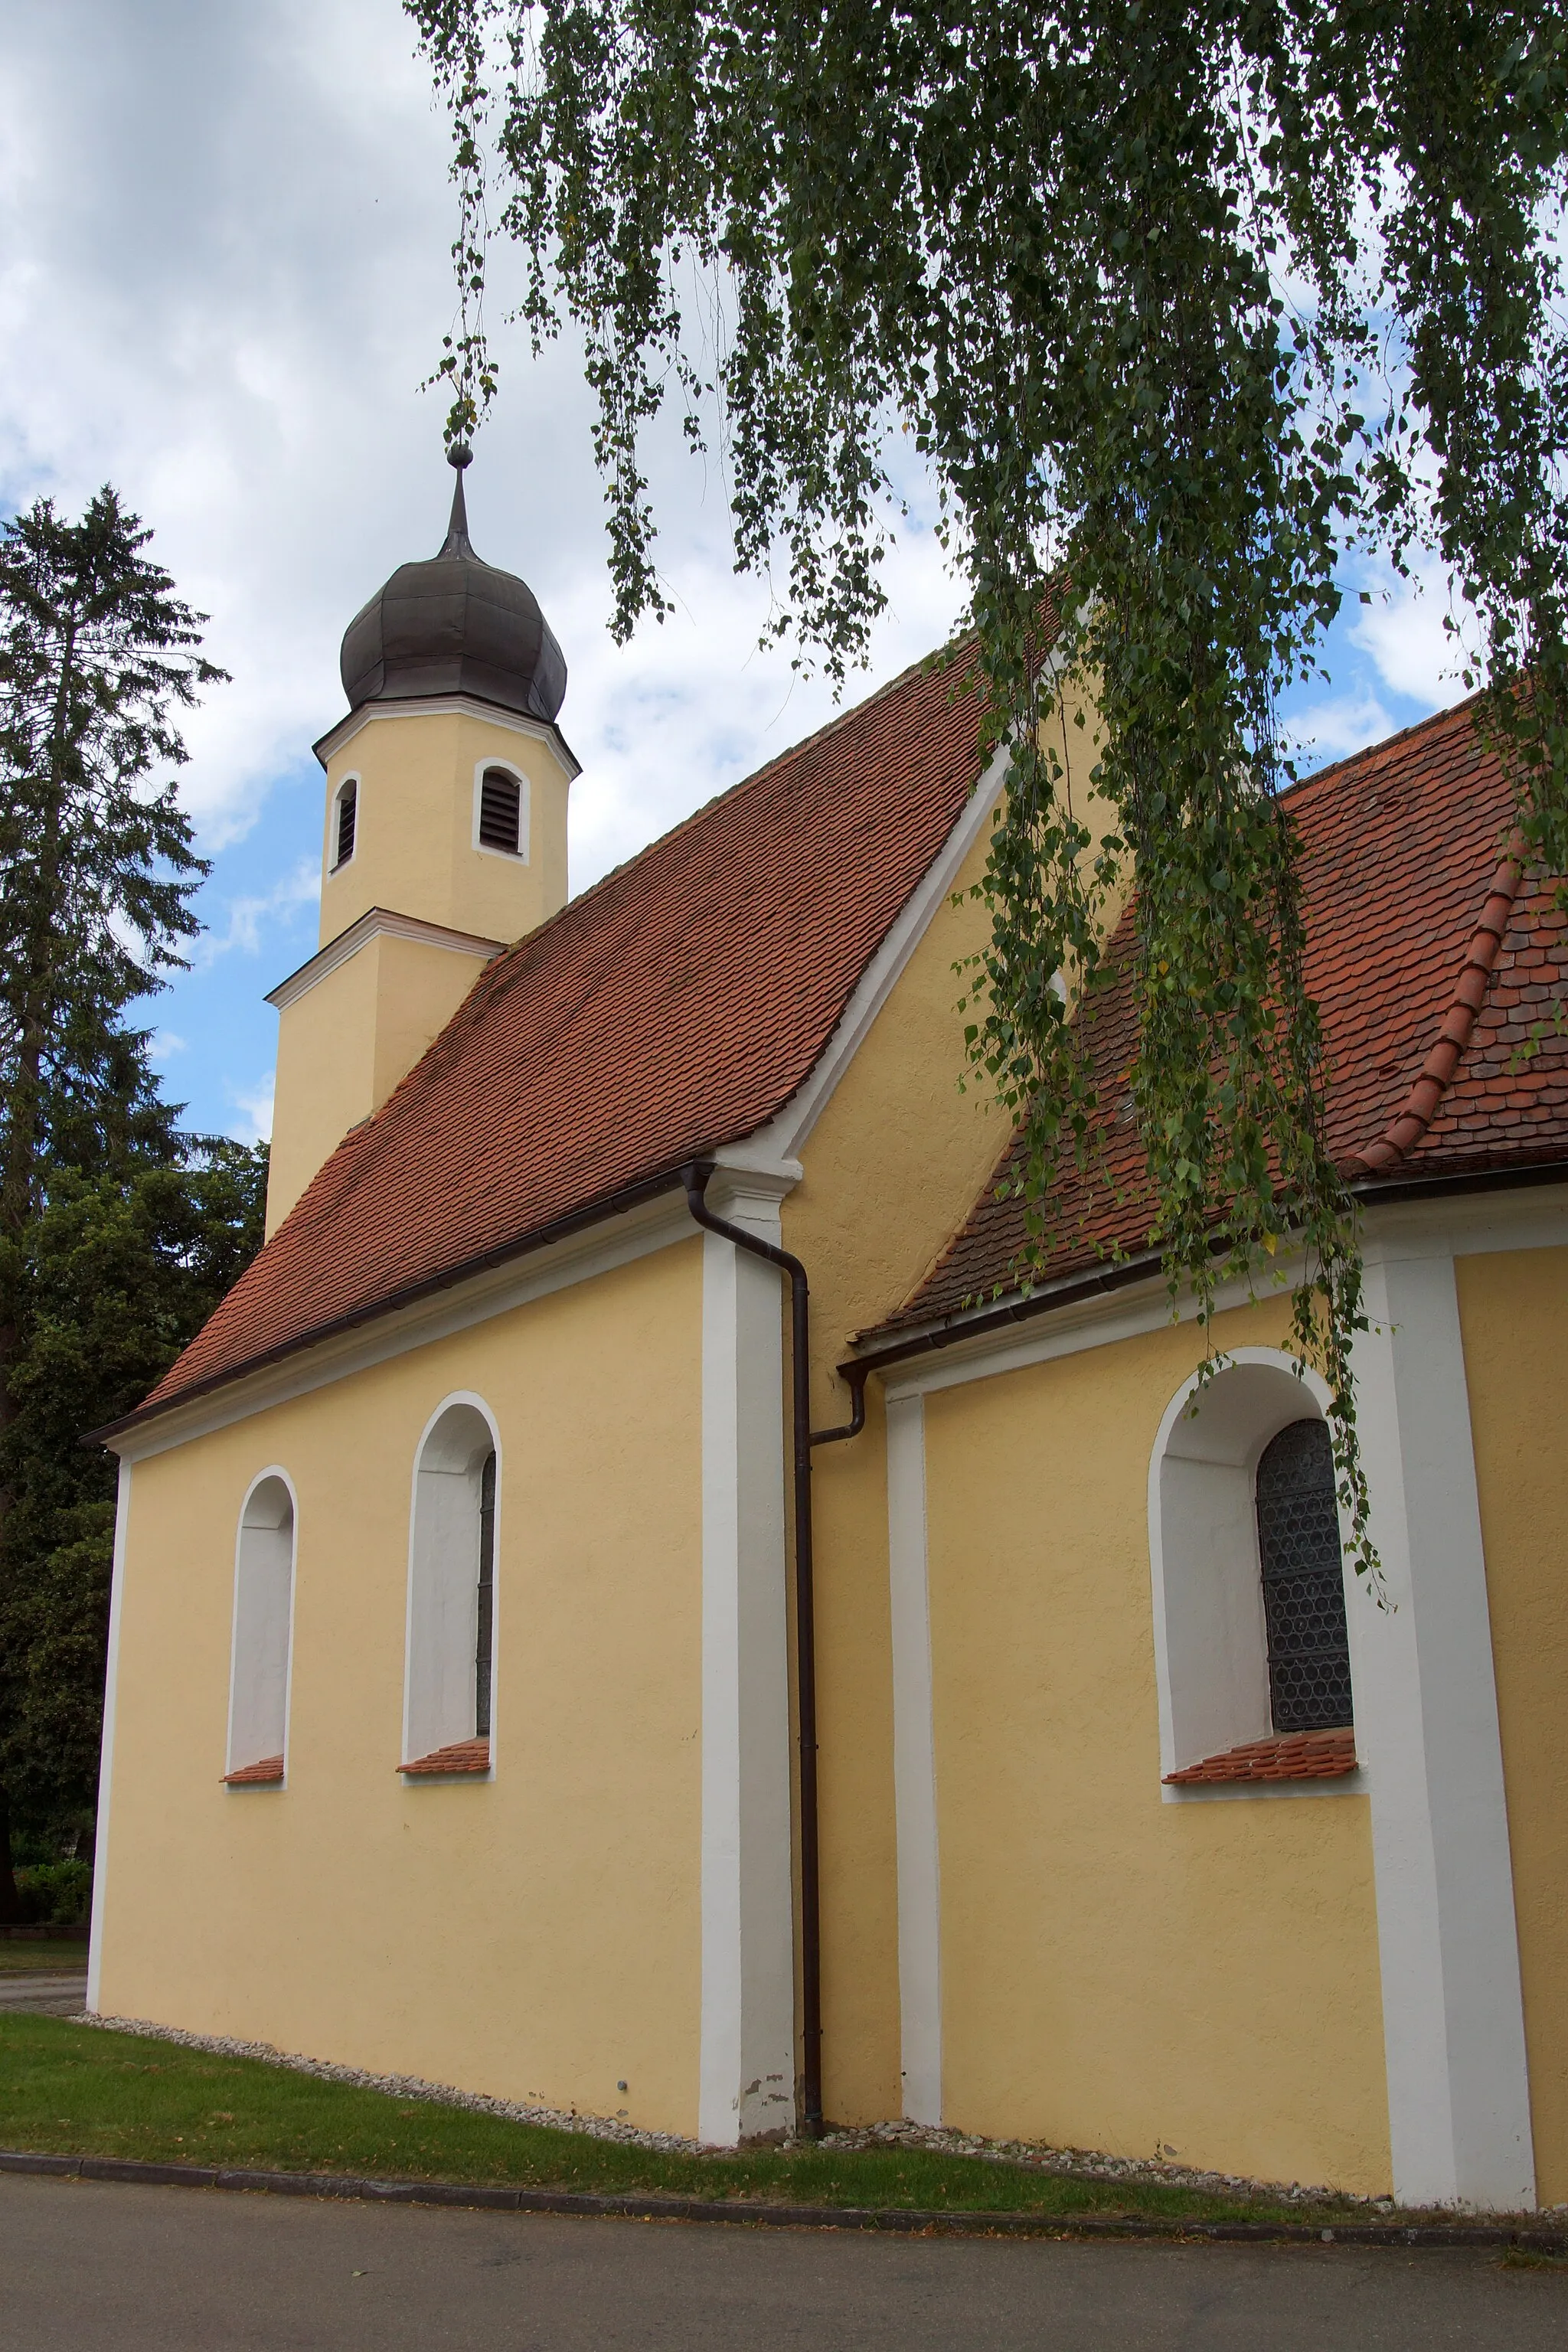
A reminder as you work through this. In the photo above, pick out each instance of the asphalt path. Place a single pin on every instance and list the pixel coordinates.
(89, 2266)
(58, 1992)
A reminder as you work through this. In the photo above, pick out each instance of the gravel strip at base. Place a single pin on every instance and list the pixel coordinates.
(1069, 2162)
(1087, 2164)
(401, 2086)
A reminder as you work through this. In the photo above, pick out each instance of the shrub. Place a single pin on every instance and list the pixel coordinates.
(56, 1894)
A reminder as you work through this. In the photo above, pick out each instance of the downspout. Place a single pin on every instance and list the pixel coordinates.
(696, 1179)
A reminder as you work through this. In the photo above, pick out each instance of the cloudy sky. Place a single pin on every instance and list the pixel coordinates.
(223, 273)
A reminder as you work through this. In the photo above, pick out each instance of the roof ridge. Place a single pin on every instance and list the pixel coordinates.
(499, 968)
(932, 660)
(1385, 742)
(1415, 1115)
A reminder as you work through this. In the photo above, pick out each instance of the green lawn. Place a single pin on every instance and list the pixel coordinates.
(74, 2090)
(54, 1954)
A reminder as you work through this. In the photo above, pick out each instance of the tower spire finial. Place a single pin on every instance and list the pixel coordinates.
(456, 540)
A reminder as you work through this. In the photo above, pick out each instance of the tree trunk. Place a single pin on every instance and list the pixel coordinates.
(10, 1893)
(19, 1175)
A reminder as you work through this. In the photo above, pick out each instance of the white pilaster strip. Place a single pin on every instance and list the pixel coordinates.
(1427, 1726)
(914, 1765)
(747, 2063)
(106, 1751)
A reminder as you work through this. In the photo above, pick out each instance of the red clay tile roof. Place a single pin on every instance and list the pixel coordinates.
(265, 1775)
(1431, 964)
(673, 1008)
(1295, 1756)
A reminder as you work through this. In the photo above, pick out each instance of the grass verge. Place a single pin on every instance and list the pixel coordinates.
(51, 1956)
(73, 2089)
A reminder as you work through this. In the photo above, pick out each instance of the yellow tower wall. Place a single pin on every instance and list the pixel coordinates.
(416, 850)
(347, 1039)
(536, 1935)
(344, 1045)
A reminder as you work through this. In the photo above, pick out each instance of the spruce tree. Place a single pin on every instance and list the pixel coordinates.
(97, 871)
(95, 865)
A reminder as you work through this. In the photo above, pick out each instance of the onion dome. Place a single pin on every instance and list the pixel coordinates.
(455, 626)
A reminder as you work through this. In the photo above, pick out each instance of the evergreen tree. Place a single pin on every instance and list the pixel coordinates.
(96, 864)
(119, 1268)
(106, 1263)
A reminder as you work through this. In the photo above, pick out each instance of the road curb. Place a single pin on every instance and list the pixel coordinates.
(1493, 2236)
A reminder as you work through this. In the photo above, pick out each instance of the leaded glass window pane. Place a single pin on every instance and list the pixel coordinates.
(1303, 1582)
(485, 1641)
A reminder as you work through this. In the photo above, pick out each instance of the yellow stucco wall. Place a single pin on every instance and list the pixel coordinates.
(891, 1168)
(1513, 1309)
(1119, 1973)
(346, 1043)
(537, 1937)
(414, 844)
(902, 1147)
(891, 1171)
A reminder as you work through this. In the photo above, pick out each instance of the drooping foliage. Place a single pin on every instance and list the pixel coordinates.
(1179, 304)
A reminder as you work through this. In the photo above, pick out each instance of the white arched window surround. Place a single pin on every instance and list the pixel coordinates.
(519, 776)
(353, 784)
(1211, 1651)
(261, 1651)
(444, 1534)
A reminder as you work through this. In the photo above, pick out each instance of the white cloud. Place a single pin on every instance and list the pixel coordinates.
(1401, 631)
(227, 238)
(692, 706)
(253, 1108)
(1340, 724)
(251, 921)
(224, 270)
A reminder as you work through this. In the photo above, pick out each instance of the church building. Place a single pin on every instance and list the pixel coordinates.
(632, 1604)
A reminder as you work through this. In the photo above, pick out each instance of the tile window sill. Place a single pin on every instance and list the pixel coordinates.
(1294, 1756)
(464, 1756)
(268, 1774)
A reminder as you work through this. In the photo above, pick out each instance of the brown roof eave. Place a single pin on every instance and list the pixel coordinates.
(612, 1205)
(1101, 1281)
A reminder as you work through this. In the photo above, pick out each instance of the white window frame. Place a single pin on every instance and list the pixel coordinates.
(427, 1661)
(1211, 1644)
(334, 864)
(234, 1761)
(518, 857)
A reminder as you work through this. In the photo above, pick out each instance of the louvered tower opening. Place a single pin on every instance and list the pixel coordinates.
(500, 810)
(1303, 1581)
(348, 808)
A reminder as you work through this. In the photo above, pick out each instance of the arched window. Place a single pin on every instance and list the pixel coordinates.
(1252, 1648)
(501, 812)
(263, 1612)
(345, 822)
(1304, 1580)
(448, 1710)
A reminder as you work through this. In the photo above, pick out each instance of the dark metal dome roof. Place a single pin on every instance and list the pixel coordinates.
(455, 626)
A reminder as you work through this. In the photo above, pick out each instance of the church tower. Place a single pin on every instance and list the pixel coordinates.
(444, 837)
